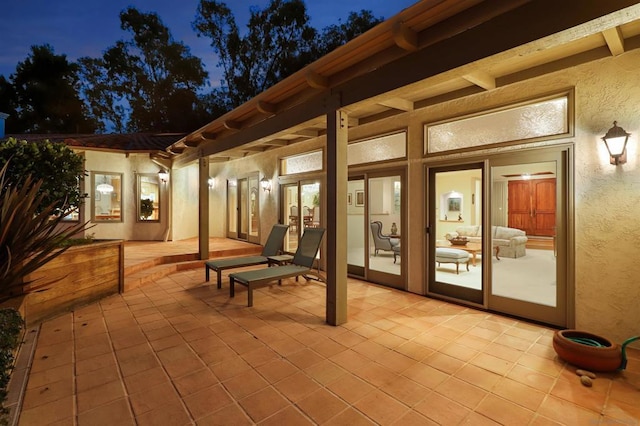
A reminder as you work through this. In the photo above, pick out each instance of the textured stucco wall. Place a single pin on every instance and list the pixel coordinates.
(129, 166)
(184, 187)
(607, 200)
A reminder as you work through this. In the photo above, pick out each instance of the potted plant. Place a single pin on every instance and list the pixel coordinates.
(146, 208)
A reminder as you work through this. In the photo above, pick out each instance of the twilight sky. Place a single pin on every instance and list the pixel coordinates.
(79, 28)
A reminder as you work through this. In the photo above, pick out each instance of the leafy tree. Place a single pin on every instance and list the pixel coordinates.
(57, 167)
(279, 42)
(43, 95)
(150, 77)
(278, 37)
(336, 35)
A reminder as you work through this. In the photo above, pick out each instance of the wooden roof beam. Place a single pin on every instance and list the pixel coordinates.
(232, 125)
(276, 142)
(218, 159)
(398, 103)
(208, 136)
(316, 80)
(404, 37)
(482, 79)
(176, 149)
(615, 40)
(192, 143)
(307, 133)
(266, 108)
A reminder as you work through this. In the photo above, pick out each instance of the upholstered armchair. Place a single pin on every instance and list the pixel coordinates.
(381, 241)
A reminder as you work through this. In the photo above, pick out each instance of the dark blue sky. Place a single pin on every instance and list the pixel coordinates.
(79, 28)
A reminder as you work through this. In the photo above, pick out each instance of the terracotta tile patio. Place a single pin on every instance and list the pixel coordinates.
(178, 351)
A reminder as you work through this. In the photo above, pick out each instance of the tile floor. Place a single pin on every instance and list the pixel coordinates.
(181, 352)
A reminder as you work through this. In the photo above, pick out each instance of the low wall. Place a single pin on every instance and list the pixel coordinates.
(83, 274)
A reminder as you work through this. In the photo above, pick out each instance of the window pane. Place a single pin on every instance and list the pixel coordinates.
(379, 149)
(149, 197)
(107, 197)
(546, 118)
(308, 162)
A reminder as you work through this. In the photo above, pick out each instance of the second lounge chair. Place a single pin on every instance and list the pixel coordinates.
(271, 248)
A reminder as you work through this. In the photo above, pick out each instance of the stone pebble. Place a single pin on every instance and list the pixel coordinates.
(586, 381)
(589, 374)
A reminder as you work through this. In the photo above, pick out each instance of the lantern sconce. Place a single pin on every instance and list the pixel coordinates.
(212, 182)
(266, 184)
(616, 142)
(163, 175)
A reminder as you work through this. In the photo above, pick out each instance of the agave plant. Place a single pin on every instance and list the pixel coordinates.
(30, 234)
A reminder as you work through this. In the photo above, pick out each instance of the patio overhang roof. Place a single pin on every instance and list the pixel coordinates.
(431, 52)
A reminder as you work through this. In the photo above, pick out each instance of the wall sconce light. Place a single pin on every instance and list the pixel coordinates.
(163, 175)
(212, 182)
(266, 184)
(616, 143)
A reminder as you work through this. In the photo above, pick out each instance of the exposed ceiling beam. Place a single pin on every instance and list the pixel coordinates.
(218, 159)
(253, 148)
(265, 107)
(276, 142)
(177, 149)
(316, 80)
(208, 136)
(482, 79)
(232, 125)
(615, 40)
(307, 133)
(192, 143)
(405, 37)
(353, 122)
(397, 103)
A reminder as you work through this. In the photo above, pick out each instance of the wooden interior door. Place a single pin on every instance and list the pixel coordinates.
(532, 206)
(520, 205)
(544, 208)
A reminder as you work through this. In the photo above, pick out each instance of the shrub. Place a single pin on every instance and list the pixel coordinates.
(10, 328)
(55, 164)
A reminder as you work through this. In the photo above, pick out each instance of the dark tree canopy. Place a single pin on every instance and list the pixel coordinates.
(147, 83)
(279, 41)
(42, 95)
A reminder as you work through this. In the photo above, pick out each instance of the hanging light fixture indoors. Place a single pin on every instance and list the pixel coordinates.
(616, 142)
(163, 175)
(104, 187)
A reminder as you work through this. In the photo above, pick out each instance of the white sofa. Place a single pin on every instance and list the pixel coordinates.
(511, 241)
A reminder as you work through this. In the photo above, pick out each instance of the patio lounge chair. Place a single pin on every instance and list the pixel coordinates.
(301, 264)
(271, 248)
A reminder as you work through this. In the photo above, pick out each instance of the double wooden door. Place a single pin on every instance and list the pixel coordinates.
(532, 206)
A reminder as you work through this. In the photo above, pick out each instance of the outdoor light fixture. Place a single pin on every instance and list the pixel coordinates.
(212, 182)
(266, 184)
(163, 175)
(616, 143)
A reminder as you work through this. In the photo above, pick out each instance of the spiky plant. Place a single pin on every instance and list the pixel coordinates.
(30, 234)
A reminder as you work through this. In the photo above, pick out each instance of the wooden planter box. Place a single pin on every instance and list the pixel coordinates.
(84, 274)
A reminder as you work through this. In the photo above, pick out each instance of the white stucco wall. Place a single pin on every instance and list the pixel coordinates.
(129, 165)
(184, 187)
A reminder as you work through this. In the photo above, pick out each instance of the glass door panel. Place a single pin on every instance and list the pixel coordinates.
(384, 209)
(232, 208)
(291, 217)
(456, 266)
(243, 209)
(527, 210)
(355, 228)
(254, 214)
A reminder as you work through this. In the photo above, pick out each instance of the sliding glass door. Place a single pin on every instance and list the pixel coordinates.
(375, 224)
(529, 229)
(456, 238)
